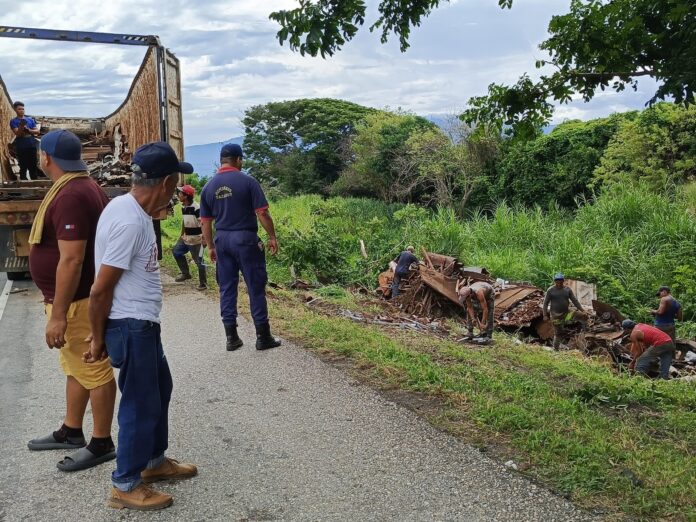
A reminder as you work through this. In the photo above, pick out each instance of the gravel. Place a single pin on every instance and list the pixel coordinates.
(277, 435)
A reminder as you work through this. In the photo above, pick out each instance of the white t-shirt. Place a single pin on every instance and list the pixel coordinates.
(125, 239)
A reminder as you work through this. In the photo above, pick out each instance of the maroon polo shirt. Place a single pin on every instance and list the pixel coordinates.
(71, 216)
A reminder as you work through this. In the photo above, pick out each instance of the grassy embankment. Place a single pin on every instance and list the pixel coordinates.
(605, 440)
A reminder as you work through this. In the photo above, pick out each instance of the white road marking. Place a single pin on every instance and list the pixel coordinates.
(4, 296)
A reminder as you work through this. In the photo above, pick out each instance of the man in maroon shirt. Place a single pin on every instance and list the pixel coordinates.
(61, 261)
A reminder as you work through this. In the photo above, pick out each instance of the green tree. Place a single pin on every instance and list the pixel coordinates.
(598, 44)
(324, 26)
(657, 147)
(298, 143)
(374, 156)
(557, 167)
(444, 172)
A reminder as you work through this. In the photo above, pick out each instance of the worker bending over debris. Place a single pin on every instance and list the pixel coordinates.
(649, 345)
(669, 310)
(403, 263)
(479, 301)
(559, 298)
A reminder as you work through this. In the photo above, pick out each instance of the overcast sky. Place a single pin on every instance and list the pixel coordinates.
(231, 60)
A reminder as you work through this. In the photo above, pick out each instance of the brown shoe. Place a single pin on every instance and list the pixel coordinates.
(142, 498)
(170, 469)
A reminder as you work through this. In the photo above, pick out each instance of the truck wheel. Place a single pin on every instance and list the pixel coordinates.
(16, 276)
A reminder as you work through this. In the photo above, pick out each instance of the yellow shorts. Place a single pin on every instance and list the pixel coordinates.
(90, 375)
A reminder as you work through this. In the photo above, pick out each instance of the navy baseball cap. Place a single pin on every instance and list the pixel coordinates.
(65, 150)
(158, 160)
(559, 277)
(627, 324)
(231, 150)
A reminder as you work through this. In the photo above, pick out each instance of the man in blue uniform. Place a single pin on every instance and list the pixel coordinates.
(25, 131)
(403, 263)
(236, 202)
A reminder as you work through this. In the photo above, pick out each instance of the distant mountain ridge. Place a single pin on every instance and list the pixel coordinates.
(206, 158)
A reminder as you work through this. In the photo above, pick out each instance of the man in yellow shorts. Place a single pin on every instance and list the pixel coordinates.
(61, 261)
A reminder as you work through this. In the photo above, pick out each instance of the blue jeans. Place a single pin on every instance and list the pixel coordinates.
(145, 382)
(241, 250)
(396, 281)
(180, 250)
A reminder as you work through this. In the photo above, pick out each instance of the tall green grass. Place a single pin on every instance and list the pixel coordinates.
(629, 241)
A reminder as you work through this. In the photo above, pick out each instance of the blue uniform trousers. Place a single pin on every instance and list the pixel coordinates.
(145, 382)
(241, 250)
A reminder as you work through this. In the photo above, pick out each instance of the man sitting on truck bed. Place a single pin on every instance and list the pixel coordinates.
(61, 260)
(25, 130)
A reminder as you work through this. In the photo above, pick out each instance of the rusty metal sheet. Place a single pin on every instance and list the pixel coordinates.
(544, 329)
(609, 336)
(439, 282)
(510, 296)
(441, 260)
(602, 308)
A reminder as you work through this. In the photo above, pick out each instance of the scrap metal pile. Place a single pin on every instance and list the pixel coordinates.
(108, 158)
(428, 293)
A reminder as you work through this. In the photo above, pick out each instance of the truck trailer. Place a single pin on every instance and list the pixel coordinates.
(150, 112)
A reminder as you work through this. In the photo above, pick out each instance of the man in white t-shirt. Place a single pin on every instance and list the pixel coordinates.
(124, 312)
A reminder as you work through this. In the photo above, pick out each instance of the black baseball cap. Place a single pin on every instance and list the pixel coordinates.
(65, 150)
(662, 288)
(158, 160)
(231, 150)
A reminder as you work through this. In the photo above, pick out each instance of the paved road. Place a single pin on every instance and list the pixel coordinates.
(276, 436)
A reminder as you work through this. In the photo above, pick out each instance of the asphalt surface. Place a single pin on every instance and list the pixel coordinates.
(277, 435)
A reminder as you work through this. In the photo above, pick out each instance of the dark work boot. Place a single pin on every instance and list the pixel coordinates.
(233, 340)
(183, 266)
(202, 278)
(264, 339)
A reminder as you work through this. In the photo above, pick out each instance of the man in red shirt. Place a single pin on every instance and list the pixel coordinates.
(649, 345)
(61, 261)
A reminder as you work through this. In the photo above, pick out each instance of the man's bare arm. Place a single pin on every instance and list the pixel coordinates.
(100, 299)
(266, 221)
(664, 304)
(484, 305)
(470, 312)
(68, 272)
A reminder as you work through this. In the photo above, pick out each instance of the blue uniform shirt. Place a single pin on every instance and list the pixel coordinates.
(24, 142)
(232, 198)
(406, 259)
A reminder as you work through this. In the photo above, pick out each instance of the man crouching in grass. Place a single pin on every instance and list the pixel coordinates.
(124, 312)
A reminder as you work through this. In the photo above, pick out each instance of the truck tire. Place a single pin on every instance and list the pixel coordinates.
(16, 276)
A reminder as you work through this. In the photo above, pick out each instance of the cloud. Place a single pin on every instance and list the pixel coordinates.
(231, 60)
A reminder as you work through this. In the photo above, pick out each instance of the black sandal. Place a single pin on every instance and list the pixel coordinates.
(84, 459)
(50, 443)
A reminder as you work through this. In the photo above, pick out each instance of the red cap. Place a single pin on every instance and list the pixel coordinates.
(188, 190)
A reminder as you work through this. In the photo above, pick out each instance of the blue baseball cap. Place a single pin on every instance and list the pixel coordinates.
(65, 150)
(559, 277)
(158, 160)
(231, 150)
